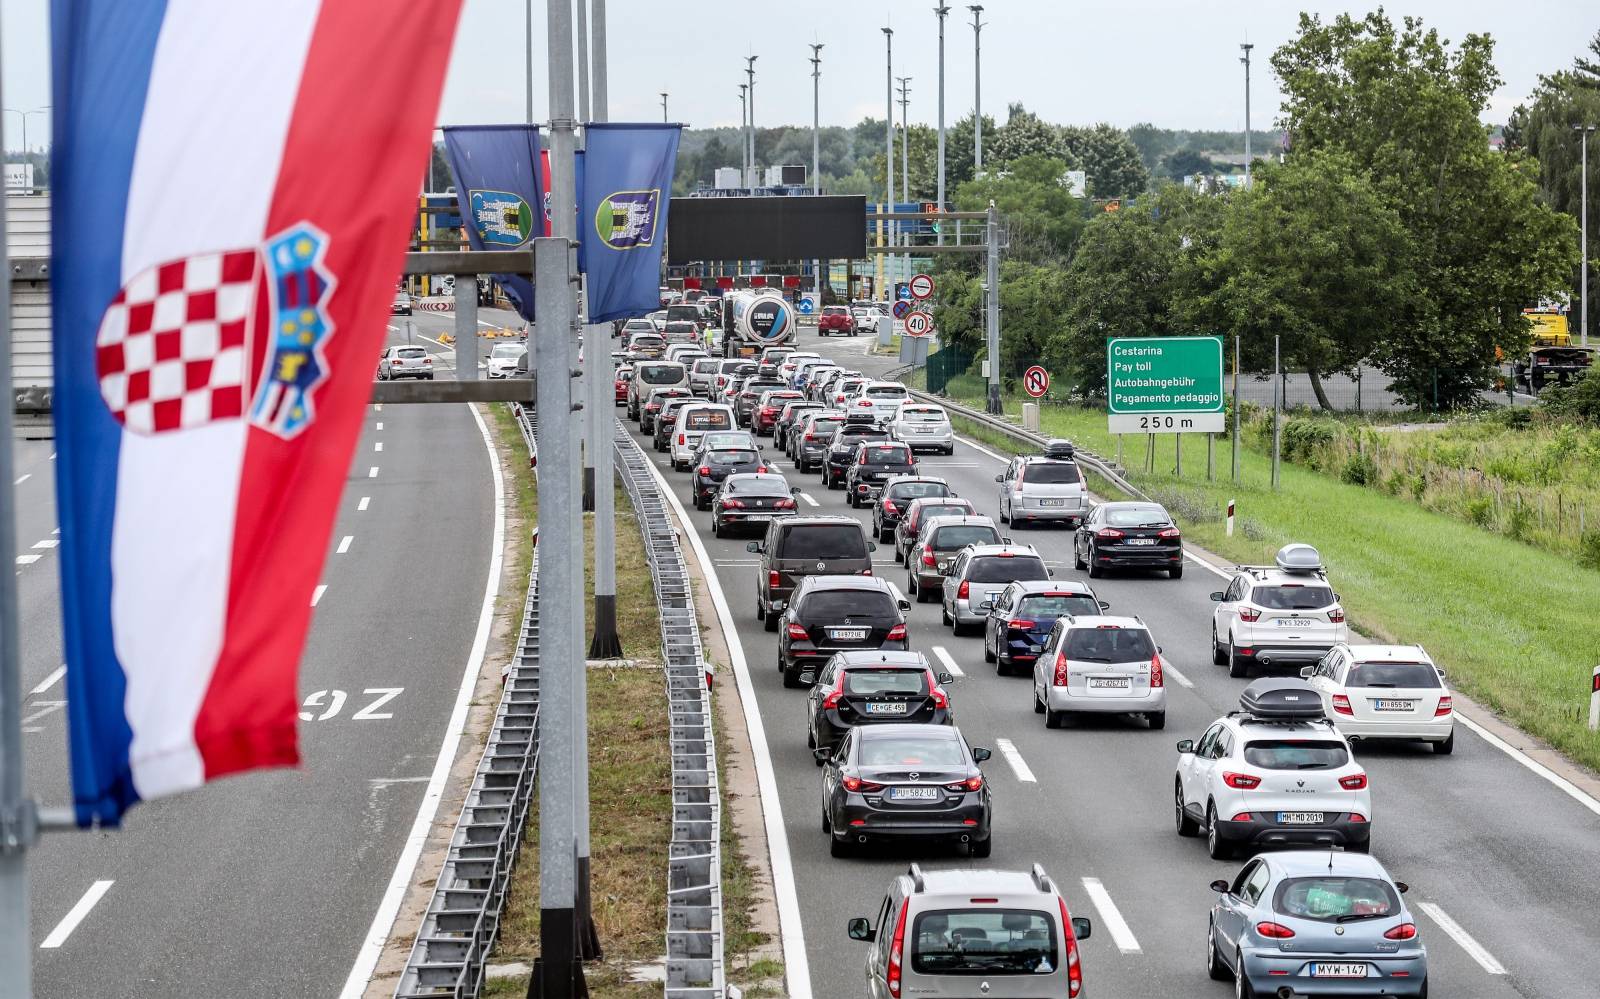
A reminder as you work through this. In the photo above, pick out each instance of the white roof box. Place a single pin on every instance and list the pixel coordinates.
(1298, 558)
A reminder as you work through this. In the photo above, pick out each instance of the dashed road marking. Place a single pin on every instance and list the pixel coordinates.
(51, 680)
(365, 502)
(23, 478)
(344, 543)
(379, 425)
(27, 559)
(377, 445)
(47, 543)
(808, 499)
(372, 473)
(1167, 669)
(1110, 917)
(1013, 758)
(63, 930)
(1463, 939)
(948, 663)
(317, 593)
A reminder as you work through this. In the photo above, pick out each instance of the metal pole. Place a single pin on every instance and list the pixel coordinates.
(750, 71)
(663, 107)
(1583, 236)
(583, 60)
(1246, 60)
(905, 167)
(941, 11)
(992, 224)
(527, 25)
(816, 150)
(597, 62)
(744, 137)
(888, 137)
(1236, 409)
(466, 327)
(1277, 407)
(977, 88)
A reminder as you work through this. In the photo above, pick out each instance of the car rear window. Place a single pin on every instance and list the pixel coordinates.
(732, 438)
(870, 681)
(1052, 473)
(1001, 569)
(1109, 645)
(1392, 675)
(730, 457)
(886, 391)
(824, 541)
(1054, 605)
(943, 510)
(1295, 754)
(411, 352)
(728, 367)
(835, 310)
(706, 365)
(916, 490)
(923, 415)
(685, 313)
(1333, 899)
(948, 539)
(1292, 597)
(659, 374)
(910, 751)
(757, 486)
(833, 606)
(1140, 516)
(826, 424)
(985, 941)
(881, 455)
(708, 419)
(758, 387)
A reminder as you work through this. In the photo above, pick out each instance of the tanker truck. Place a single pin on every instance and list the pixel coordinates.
(753, 320)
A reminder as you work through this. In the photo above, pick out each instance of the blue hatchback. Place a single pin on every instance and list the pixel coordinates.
(1021, 615)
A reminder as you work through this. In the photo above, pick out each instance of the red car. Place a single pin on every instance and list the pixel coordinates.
(835, 319)
(620, 385)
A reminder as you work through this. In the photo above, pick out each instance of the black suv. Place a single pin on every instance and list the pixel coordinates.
(666, 422)
(711, 466)
(829, 614)
(841, 453)
(808, 442)
(870, 688)
(874, 465)
(797, 547)
(790, 416)
(897, 493)
(647, 415)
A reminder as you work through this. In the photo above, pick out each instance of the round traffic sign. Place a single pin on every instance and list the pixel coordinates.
(921, 287)
(901, 308)
(919, 324)
(807, 304)
(1036, 381)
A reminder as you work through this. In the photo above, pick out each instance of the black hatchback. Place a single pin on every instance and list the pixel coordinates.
(712, 465)
(870, 688)
(897, 494)
(875, 464)
(829, 614)
(841, 452)
(1128, 536)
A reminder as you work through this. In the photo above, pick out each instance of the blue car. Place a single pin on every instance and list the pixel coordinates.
(1315, 923)
(1021, 615)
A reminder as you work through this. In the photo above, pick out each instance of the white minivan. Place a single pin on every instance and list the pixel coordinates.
(695, 420)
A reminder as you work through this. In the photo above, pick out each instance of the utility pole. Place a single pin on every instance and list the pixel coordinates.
(888, 135)
(816, 152)
(744, 135)
(941, 11)
(1246, 60)
(992, 231)
(663, 107)
(1277, 406)
(598, 58)
(977, 88)
(905, 168)
(1584, 131)
(750, 71)
(586, 430)
(527, 26)
(583, 76)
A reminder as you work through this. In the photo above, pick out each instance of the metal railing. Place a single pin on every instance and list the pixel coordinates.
(694, 864)
(462, 920)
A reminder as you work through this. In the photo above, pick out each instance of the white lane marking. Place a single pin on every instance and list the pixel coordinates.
(365, 502)
(379, 425)
(372, 473)
(1019, 766)
(46, 543)
(430, 339)
(44, 708)
(797, 967)
(344, 543)
(27, 559)
(1206, 565)
(52, 456)
(56, 531)
(23, 478)
(1167, 669)
(1110, 917)
(317, 593)
(1559, 781)
(1474, 949)
(377, 445)
(949, 663)
(383, 921)
(58, 936)
(51, 680)
(808, 499)
(377, 407)
(983, 450)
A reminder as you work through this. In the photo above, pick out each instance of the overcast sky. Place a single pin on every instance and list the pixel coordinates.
(1170, 62)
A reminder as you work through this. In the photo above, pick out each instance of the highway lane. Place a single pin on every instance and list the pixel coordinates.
(1503, 855)
(265, 884)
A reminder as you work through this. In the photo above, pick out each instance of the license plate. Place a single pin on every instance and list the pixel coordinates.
(1293, 622)
(1320, 970)
(1140, 541)
(1052, 502)
(847, 634)
(914, 794)
(1388, 705)
(758, 516)
(886, 707)
(1110, 682)
(1299, 818)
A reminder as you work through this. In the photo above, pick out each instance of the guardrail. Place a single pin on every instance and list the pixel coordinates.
(462, 920)
(694, 865)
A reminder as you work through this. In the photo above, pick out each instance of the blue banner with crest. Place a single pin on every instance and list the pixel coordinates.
(496, 173)
(623, 192)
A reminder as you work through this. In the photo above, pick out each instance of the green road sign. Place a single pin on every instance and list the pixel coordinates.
(1164, 385)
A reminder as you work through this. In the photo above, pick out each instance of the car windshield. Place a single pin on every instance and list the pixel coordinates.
(871, 681)
(659, 374)
(1001, 569)
(1332, 899)
(824, 541)
(985, 941)
(834, 606)
(948, 539)
(1296, 754)
(708, 419)
(913, 490)
(910, 751)
(508, 350)
(887, 455)
(1392, 675)
(1292, 597)
(1137, 516)
(1109, 645)
(1048, 606)
(922, 415)
(943, 510)
(730, 457)
(1052, 473)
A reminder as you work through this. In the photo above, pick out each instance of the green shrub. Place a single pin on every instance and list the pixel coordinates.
(1480, 510)
(1304, 436)
(1519, 519)
(1359, 470)
(1589, 550)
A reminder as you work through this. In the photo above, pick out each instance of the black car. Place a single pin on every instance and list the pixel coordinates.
(897, 493)
(871, 688)
(1128, 536)
(647, 413)
(1022, 614)
(712, 465)
(905, 781)
(764, 417)
(808, 443)
(797, 548)
(829, 614)
(874, 465)
(751, 500)
(666, 421)
(790, 416)
(914, 513)
(841, 453)
(744, 404)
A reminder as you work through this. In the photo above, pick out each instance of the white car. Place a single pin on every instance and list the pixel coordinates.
(923, 426)
(633, 326)
(695, 420)
(687, 353)
(1284, 614)
(503, 359)
(1275, 774)
(1385, 692)
(405, 362)
(1099, 664)
(794, 362)
(882, 398)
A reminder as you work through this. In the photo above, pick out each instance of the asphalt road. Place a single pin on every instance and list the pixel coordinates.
(1487, 846)
(265, 884)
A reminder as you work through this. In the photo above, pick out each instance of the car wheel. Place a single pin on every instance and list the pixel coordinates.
(944, 615)
(990, 657)
(1077, 560)
(1005, 515)
(716, 527)
(827, 822)
(1054, 718)
(1187, 826)
(981, 848)
(1238, 666)
(1242, 989)
(957, 628)
(791, 674)
(761, 610)
(899, 556)
(1219, 655)
(1095, 572)
(1157, 720)
(1176, 572)
(1215, 969)
(1038, 704)
(1216, 846)
(839, 846)
(770, 622)
(429, 376)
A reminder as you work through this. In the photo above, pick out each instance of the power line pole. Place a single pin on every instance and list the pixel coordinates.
(1584, 131)
(1246, 60)
(586, 430)
(888, 135)
(992, 231)
(941, 11)
(977, 88)
(750, 71)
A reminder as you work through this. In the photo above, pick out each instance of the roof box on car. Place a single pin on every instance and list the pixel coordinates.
(1058, 448)
(1298, 558)
(1281, 698)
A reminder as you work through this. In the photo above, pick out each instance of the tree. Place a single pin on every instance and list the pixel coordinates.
(1187, 162)
(1043, 216)
(1586, 72)
(1024, 134)
(1109, 157)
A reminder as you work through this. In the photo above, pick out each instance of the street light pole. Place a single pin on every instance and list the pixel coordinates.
(1584, 132)
(744, 138)
(888, 135)
(977, 88)
(750, 71)
(905, 169)
(941, 11)
(816, 153)
(663, 107)
(1246, 60)
(527, 26)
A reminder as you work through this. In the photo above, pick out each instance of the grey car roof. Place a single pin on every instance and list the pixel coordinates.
(890, 729)
(1306, 863)
(1029, 586)
(958, 881)
(1013, 550)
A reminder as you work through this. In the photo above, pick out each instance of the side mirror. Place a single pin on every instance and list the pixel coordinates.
(1158, 650)
(903, 604)
(1105, 605)
(860, 929)
(947, 678)
(980, 755)
(988, 604)
(822, 754)
(1337, 598)
(1442, 673)
(1307, 672)
(1216, 597)
(1081, 927)
(1186, 746)
(1005, 541)
(808, 676)
(794, 490)
(1051, 573)
(754, 546)
(999, 478)
(1401, 887)
(872, 546)
(1220, 885)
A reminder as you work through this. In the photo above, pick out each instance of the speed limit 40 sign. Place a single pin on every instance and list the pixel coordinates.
(919, 324)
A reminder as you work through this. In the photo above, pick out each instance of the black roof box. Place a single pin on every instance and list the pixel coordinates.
(1281, 698)
(1058, 448)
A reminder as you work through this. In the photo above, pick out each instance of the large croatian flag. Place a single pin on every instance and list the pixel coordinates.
(233, 184)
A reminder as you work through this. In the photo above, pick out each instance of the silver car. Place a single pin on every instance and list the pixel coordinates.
(980, 572)
(405, 362)
(924, 426)
(1315, 922)
(1100, 665)
(881, 399)
(1047, 487)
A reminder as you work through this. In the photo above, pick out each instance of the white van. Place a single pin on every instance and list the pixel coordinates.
(695, 420)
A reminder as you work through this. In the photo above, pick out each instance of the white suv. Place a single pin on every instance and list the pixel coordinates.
(1099, 664)
(881, 399)
(1275, 774)
(1284, 614)
(922, 425)
(695, 420)
(1385, 692)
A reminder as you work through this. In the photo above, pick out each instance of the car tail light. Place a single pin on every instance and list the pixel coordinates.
(896, 634)
(1074, 969)
(963, 591)
(1021, 624)
(784, 504)
(427, 360)
(936, 692)
(1357, 817)
(1276, 931)
(927, 555)
(1341, 705)
(762, 468)
(1171, 532)
(864, 404)
(1354, 782)
(1405, 931)
(797, 633)
(857, 784)
(1061, 669)
(896, 945)
(1249, 614)
(1244, 782)
(1108, 532)
(1242, 817)
(1444, 708)
(861, 488)
(705, 469)
(970, 784)
(732, 504)
(889, 507)
(772, 579)
(809, 437)
(835, 695)
(1336, 615)
(682, 439)
(1156, 678)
